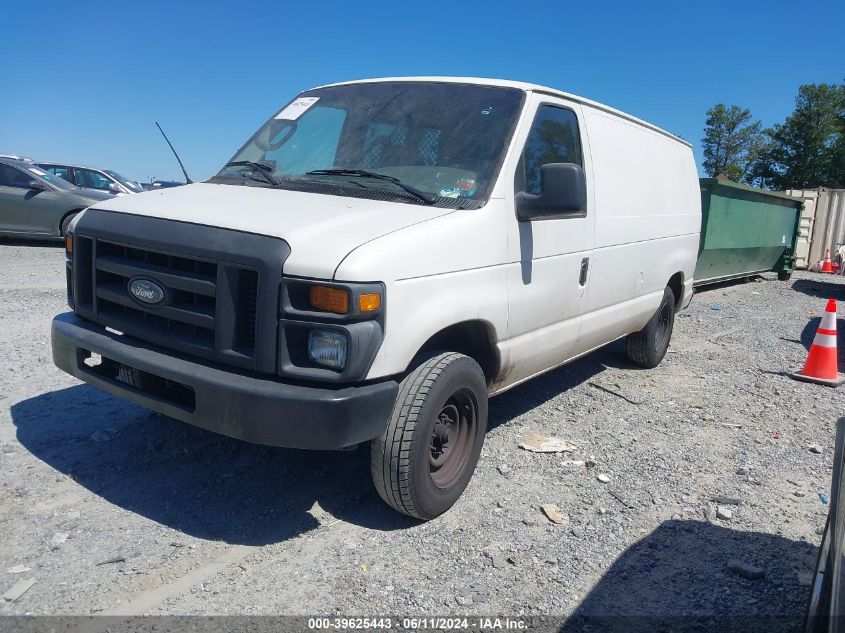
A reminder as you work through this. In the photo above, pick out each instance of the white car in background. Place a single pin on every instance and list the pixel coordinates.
(93, 178)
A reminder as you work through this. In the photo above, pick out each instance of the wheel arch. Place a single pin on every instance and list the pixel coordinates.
(474, 338)
(65, 216)
(676, 285)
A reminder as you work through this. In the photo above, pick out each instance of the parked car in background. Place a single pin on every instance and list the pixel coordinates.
(94, 178)
(35, 203)
(16, 157)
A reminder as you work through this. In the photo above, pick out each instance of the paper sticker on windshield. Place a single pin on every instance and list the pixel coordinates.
(297, 108)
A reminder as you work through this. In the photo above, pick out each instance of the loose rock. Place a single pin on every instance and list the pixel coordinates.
(57, 539)
(18, 569)
(498, 561)
(554, 514)
(603, 478)
(101, 435)
(544, 444)
(814, 448)
(723, 513)
(745, 570)
(18, 589)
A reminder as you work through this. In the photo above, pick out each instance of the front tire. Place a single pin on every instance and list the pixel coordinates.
(66, 223)
(647, 347)
(427, 455)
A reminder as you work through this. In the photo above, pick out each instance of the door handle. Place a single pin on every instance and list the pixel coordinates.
(585, 266)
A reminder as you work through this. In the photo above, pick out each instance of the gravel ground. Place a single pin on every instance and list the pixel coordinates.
(200, 524)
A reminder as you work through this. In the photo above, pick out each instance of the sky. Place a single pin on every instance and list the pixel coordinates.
(85, 82)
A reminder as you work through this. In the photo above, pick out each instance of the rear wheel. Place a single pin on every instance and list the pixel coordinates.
(784, 275)
(647, 347)
(427, 455)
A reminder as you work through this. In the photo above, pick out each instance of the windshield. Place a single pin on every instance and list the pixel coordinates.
(443, 139)
(130, 184)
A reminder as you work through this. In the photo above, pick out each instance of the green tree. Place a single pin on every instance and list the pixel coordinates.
(808, 148)
(760, 170)
(731, 141)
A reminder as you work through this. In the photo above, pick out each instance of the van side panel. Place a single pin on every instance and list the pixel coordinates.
(648, 219)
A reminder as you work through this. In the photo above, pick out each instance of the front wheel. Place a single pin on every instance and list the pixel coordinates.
(427, 455)
(647, 347)
(66, 223)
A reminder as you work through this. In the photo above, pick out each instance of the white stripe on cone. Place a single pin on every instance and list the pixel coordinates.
(828, 321)
(825, 340)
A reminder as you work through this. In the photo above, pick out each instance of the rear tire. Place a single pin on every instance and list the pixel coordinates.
(647, 347)
(427, 455)
(784, 276)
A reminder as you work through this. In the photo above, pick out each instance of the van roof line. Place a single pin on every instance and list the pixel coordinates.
(520, 85)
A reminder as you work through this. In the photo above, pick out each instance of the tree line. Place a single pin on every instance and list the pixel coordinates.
(805, 151)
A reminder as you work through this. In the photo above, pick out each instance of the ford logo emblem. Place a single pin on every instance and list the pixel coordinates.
(146, 291)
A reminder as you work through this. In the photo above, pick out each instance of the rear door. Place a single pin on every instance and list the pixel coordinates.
(547, 286)
(22, 209)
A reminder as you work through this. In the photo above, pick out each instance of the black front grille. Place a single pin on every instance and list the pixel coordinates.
(247, 309)
(221, 287)
(185, 319)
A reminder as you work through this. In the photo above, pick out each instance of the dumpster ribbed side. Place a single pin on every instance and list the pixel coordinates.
(745, 231)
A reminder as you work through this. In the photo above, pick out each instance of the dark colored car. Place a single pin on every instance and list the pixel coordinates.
(35, 203)
(106, 180)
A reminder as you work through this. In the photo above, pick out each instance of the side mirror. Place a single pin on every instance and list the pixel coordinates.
(113, 188)
(563, 194)
(36, 185)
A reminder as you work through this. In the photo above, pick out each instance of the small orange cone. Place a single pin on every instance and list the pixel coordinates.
(827, 266)
(822, 366)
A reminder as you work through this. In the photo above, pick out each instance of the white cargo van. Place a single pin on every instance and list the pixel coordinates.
(380, 258)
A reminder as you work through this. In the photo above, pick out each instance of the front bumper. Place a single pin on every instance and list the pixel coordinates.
(245, 407)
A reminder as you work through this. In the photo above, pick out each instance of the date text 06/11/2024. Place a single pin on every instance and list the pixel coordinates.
(421, 623)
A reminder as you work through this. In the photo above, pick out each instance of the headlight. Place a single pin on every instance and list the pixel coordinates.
(327, 348)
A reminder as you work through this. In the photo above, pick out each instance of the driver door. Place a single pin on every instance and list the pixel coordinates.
(22, 209)
(546, 288)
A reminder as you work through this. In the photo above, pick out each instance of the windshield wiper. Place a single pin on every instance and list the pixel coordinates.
(263, 168)
(360, 173)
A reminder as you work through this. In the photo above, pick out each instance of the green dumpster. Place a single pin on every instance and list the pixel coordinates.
(745, 231)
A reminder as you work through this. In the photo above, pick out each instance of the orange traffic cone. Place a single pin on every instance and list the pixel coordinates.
(827, 267)
(822, 366)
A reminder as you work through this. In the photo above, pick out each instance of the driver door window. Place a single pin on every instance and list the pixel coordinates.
(553, 138)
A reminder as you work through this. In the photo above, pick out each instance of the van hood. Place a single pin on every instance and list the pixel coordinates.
(320, 229)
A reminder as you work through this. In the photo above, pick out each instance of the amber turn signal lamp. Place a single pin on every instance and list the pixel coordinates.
(69, 244)
(369, 302)
(329, 299)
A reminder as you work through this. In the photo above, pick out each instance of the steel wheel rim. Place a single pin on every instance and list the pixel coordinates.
(663, 327)
(453, 438)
